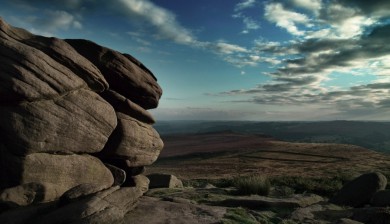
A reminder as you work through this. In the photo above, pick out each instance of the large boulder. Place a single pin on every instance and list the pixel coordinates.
(359, 191)
(62, 171)
(80, 121)
(134, 141)
(125, 74)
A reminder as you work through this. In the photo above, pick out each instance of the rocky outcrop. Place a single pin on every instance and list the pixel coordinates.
(74, 129)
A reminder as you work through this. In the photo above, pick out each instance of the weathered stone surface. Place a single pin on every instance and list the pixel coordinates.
(118, 174)
(109, 206)
(78, 122)
(164, 181)
(29, 193)
(359, 191)
(28, 73)
(66, 55)
(134, 141)
(62, 171)
(124, 105)
(124, 74)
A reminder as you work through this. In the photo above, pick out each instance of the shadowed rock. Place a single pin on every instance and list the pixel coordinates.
(381, 199)
(372, 215)
(28, 193)
(164, 181)
(359, 191)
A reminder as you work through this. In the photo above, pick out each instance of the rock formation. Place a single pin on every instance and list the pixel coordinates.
(74, 126)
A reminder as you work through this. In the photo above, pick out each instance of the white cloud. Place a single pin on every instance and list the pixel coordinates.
(225, 48)
(163, 20)
(353, 26)
(244, 4)
(275, 12)
(345, 22)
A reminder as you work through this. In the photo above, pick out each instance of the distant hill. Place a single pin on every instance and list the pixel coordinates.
(369, 134)
(226, 154)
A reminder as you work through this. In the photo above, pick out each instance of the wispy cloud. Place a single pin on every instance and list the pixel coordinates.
(56, 16)
(249, 23)
(163, 20)
(244, 4)
(341, 38)
(53, 21)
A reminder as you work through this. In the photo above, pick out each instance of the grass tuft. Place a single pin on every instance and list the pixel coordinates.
(255, 184)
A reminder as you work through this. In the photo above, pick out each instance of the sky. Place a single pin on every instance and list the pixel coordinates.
(263, 60)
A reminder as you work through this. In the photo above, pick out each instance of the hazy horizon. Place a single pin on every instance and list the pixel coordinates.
(267, 60)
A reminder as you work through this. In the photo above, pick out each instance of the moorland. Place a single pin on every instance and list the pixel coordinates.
(296, 167)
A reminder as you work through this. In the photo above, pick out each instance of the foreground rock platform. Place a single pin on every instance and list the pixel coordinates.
(74, 128)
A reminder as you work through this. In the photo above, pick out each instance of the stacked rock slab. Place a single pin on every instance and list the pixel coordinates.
(73, 114)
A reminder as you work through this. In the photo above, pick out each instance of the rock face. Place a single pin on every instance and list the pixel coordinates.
(70, 112)
(359, 191)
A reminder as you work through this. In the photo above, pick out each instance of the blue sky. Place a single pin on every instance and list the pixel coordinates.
(239, 59)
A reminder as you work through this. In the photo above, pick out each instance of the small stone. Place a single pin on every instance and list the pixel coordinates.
(164, 181)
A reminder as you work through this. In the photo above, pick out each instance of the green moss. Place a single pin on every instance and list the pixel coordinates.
(238, 215)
